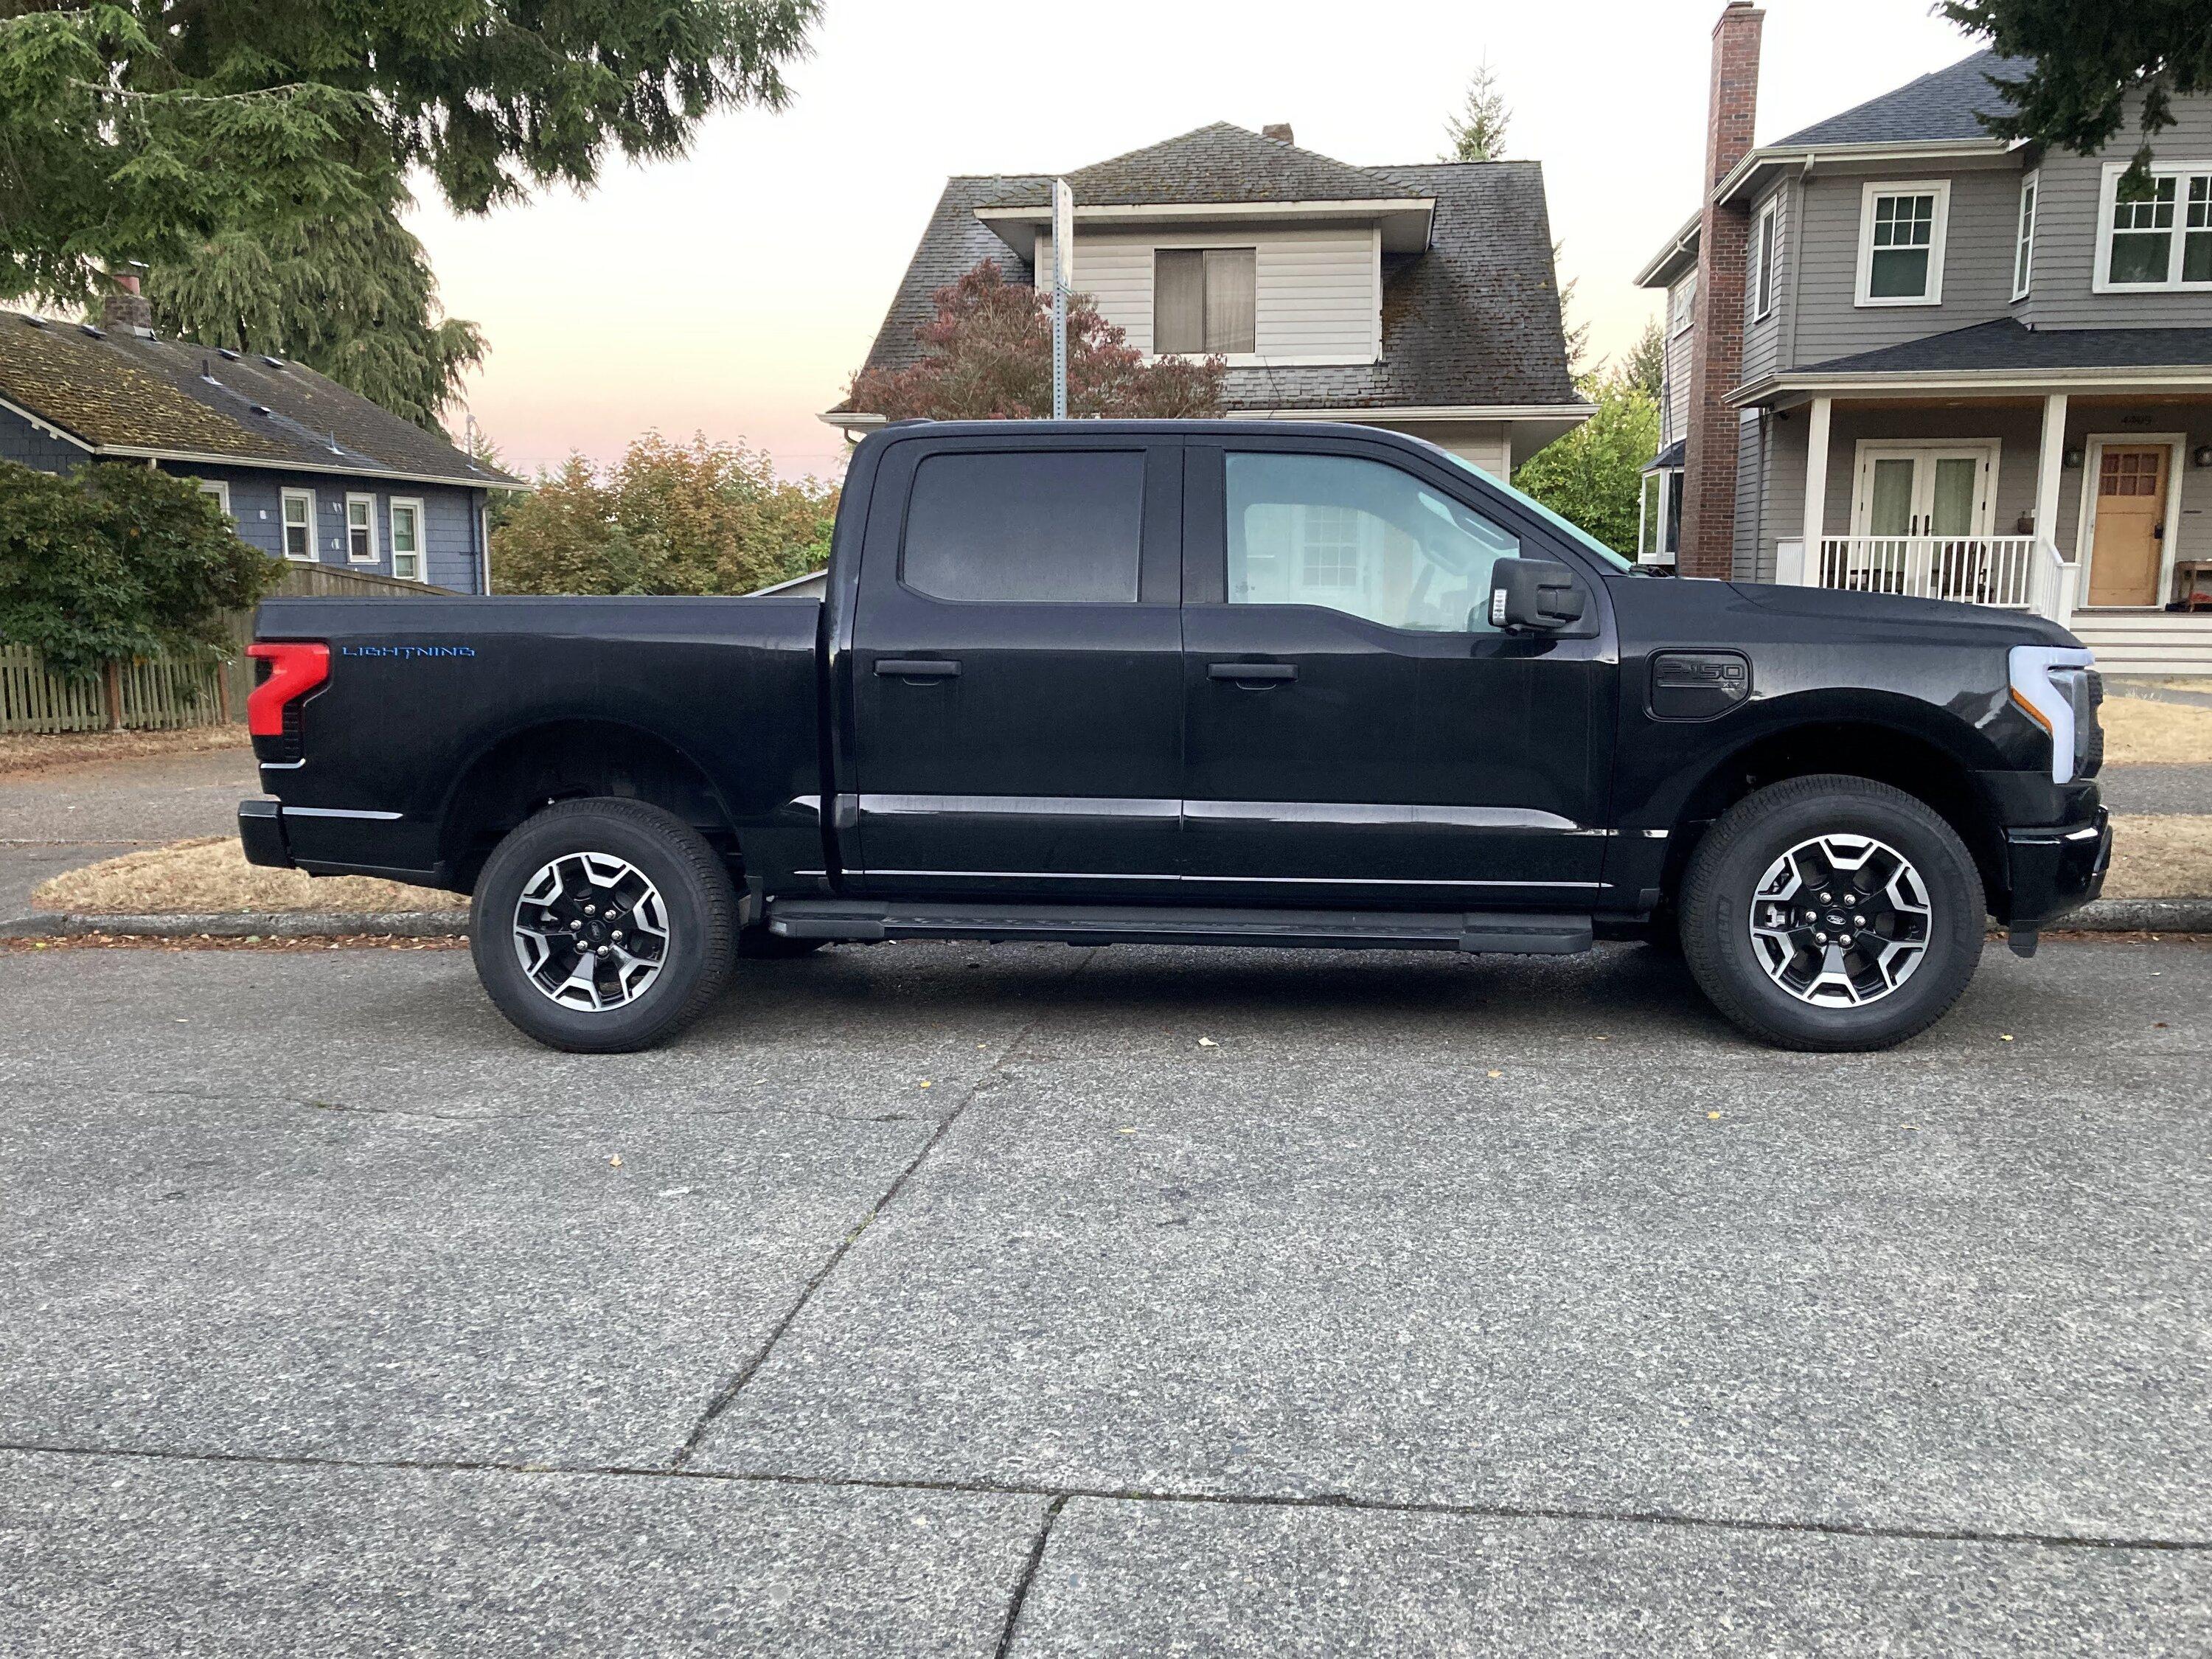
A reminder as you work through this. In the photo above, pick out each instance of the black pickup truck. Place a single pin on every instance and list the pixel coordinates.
(1197, 682)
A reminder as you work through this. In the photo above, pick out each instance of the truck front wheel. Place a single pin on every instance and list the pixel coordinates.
(603, 926)
(1832, 913)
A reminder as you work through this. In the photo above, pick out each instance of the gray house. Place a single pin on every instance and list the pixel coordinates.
(1419, 298)
(1905, 355)
(310, 471)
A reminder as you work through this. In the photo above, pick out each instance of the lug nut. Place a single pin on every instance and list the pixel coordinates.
(606, 951)
(1858, 921)
(1819, 939)
(616, 936)
(575, 926)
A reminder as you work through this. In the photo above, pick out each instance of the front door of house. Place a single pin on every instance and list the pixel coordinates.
(1922, 490)
(2127, 549)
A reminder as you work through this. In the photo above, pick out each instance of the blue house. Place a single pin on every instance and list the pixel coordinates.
(310, 471)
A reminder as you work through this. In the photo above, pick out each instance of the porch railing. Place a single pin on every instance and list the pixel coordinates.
(2014, 573)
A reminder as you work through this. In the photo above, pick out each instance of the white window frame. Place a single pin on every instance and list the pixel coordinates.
(1937, 231)
(2023, 238)
(1682, 306)
(421, 554)
(374, 555)
(1765, 255)
(2108, 196)
(285, 497)
(218, 488)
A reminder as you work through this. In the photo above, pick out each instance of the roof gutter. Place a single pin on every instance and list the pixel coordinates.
(1733, 183)
(132, 451)
(1899, 383)
(1666, 256)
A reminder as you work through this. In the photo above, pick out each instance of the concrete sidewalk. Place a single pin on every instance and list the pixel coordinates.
(1202, 1302)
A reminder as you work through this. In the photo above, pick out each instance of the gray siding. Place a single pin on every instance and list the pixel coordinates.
(1827, 320)
(2067, 227)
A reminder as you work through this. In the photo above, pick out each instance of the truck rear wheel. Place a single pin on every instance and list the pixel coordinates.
(603, 926)
(1832, 913)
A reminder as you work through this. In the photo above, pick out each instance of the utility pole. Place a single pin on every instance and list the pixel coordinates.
(1063, 265)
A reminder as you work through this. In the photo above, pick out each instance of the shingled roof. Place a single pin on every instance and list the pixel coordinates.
(1943, 108)
(1219, 163)
(2008, 344)
(121, 393)
(1472, 321)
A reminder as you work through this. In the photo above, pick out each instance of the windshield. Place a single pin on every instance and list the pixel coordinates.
(1597, 548)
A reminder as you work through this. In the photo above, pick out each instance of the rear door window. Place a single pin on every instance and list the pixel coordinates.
(1026, 527)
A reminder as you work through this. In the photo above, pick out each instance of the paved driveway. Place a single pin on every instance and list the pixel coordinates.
(1199, 1302)
(56, 820)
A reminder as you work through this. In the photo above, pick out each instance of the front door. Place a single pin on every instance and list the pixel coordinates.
(1357, 732)
(2127, 556)
(1017, 675)
(1911, 490)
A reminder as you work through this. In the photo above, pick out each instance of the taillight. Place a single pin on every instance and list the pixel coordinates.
(295, 668)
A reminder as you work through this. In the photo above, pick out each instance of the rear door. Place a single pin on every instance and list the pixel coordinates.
(1017, 671)
(1356, 731)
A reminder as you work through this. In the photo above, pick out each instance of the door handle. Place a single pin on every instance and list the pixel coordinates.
(1252, 672)
(915, 668)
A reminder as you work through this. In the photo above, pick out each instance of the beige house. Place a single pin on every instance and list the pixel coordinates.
(1906, 355)
(1420, 297)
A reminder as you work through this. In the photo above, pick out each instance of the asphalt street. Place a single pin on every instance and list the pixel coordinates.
(938, 1300)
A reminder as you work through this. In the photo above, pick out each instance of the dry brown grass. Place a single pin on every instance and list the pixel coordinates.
(22, 754)
(2160, 856)
(210, 877)
(2138, 730)
(2184, 684)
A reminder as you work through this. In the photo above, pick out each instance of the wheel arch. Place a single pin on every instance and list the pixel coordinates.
(529, 767)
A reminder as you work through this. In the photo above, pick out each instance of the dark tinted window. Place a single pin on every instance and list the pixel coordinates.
(1040, 526)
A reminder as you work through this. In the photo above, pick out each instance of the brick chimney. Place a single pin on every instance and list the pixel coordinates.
(123, 309)
(1280, 131)
(1724, 232)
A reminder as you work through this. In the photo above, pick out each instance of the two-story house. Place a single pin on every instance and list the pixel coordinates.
(1419, 298)
(1905, 355)
(308, 471)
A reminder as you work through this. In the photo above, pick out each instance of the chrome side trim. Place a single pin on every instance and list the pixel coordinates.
(1302, 881)
(1027, 806)
(338, 812)
(1356, 813)
(806, 803)
(282, 766)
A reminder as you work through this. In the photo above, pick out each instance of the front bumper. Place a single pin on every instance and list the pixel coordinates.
(2056, 869)
(261, 832)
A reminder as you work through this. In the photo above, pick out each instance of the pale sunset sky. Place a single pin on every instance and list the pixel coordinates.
(734, 290)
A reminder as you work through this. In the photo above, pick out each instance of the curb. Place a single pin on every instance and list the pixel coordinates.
(246, 924)
(2159, 915)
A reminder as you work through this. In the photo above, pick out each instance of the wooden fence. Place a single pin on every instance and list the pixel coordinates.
(157, 694)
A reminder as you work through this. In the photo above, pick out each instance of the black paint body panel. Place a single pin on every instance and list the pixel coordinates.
(882, 743)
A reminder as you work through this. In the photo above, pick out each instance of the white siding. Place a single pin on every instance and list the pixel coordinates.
(1319, 289)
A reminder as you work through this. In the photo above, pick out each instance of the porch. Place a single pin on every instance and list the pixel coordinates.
(2078, 505)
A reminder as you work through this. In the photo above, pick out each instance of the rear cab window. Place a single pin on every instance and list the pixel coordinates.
(1026, 527)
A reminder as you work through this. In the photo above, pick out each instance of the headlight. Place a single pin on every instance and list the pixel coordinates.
(2051, 685)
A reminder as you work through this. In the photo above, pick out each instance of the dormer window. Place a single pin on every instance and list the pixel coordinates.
(1205, 300)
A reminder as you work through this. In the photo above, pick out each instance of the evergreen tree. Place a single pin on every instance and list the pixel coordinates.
(255, 155)
(1478, 132)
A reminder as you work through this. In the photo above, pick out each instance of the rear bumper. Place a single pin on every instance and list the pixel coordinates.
(2056, 869)
(261, 832)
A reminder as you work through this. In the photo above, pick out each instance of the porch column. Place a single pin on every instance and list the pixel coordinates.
(1816, 486)
(2047, 468)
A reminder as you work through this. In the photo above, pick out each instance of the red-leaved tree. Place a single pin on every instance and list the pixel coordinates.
(986, 355)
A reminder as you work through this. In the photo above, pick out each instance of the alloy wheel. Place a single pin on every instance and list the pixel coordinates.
(591, 931)
(1840, 921)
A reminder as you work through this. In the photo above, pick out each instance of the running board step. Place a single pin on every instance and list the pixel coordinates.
(867, 919)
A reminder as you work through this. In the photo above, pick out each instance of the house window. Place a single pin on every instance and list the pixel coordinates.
(2158, 234)
(1682, 304)
(218, 489)
(1659, 519)
(1764, 247)
(298, 509)
(1205, 300)
(1901, 243)
(360, 529)
(2023, 252)
(407, 541)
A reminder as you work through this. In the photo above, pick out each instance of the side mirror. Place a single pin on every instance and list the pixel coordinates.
(1534, 596)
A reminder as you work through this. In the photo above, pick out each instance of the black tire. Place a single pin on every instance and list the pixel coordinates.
(1735, 856)
(699, 908)
(758, 944)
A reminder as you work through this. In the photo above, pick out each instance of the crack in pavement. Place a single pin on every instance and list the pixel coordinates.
(724, 1396)
(232, 1096)
(1062, 1495)
(1029, 1577)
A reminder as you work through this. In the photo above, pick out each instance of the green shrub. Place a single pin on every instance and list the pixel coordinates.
(116, 562)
